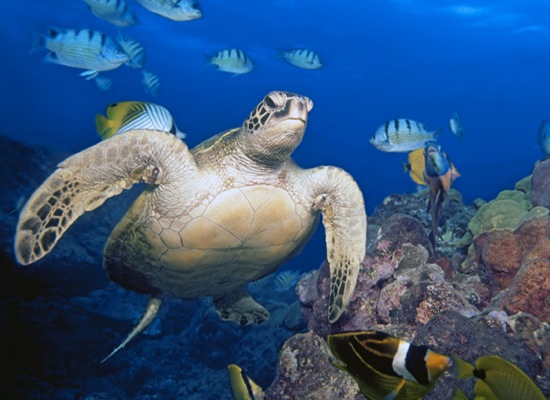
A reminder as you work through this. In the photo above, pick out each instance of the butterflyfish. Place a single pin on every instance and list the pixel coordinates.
(386, 367)
(128, 115)
(242, 386)
(416, 167)
(497, 379)
(402, 135)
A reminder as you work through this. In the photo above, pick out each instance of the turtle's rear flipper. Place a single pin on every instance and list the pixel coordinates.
(239, 307)
(151, 311)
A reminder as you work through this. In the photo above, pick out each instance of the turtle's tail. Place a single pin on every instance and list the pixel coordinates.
(150, 313)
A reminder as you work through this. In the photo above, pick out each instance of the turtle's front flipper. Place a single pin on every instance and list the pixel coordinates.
(239, 307)
(150, 313)
(85, 180)
(340, 200)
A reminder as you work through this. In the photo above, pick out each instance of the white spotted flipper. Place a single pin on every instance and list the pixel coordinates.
(85, 180)
(341, 202)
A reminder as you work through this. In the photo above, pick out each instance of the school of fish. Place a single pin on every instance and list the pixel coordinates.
(96, 52)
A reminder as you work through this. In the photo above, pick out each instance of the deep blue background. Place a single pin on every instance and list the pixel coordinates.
(488, 60)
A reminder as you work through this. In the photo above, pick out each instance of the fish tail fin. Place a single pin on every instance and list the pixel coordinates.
(280, 53)
(105, 127)
(459, 394)
(464, 369)
(180, 134)
(38, 41)
(436, 133)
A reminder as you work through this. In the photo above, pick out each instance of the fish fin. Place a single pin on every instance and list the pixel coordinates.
(38, 41)
(464, 368)
(51, 57)
(459, 394)
(150, 313)
(180, 134)
(105, 127)
(242, 386)
(483, 391)
(89, 74)
(436, 133)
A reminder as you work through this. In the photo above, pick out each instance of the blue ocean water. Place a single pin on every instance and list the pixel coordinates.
(414, 59)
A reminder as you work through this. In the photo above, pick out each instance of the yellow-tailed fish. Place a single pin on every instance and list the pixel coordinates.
(114, 11)
(302, 58)
(455, 123)
(234, 61)
(176, 10)
(439, 176)
(82, 48)
(128, 115)
(402, 135)
(498, 379)
(415, 167)
(386, 367)
(150, 82)
(242, 386)
(134, 50)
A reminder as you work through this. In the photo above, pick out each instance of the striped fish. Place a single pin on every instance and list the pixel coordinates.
(286, 279)
(233, 61)
(386, 367)
(302, 58)
(114, 11)
(135, 50)
(128, 115)
(402, 135)
(103, 83)
(82, 48)
(176, 10)
(151, 83)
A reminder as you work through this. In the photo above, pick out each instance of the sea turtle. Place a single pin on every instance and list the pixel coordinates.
(210, 220)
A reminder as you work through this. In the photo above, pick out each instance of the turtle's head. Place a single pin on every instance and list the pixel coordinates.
(275, 127)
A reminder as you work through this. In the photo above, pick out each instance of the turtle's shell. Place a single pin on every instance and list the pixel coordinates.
(235, 236)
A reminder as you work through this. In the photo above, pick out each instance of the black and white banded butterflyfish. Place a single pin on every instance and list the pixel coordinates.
(386, 367)
(242, 386)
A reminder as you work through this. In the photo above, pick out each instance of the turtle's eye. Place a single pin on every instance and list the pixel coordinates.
(269, 102)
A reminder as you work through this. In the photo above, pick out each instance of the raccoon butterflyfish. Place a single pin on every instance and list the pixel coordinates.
(497, 379)
(386, 367)
(242, 386)
(416, 167)
(128, 115)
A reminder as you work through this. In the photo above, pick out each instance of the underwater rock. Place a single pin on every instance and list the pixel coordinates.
(304, 372)
(530, 290)
(500, 253)
(540, 184)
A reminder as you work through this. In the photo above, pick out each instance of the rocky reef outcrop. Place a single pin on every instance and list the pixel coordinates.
(485, 290)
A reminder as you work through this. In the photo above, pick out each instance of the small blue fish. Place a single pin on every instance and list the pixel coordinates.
(543, 137)
(151, 83)
(302, 58)
(439, 176)
(286, 279)
(455, 124)
(134, 50)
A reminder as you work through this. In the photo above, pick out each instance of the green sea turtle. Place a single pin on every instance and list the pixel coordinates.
(210, 220)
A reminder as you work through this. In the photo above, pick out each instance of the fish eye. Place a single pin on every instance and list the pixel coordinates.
(113, 105)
